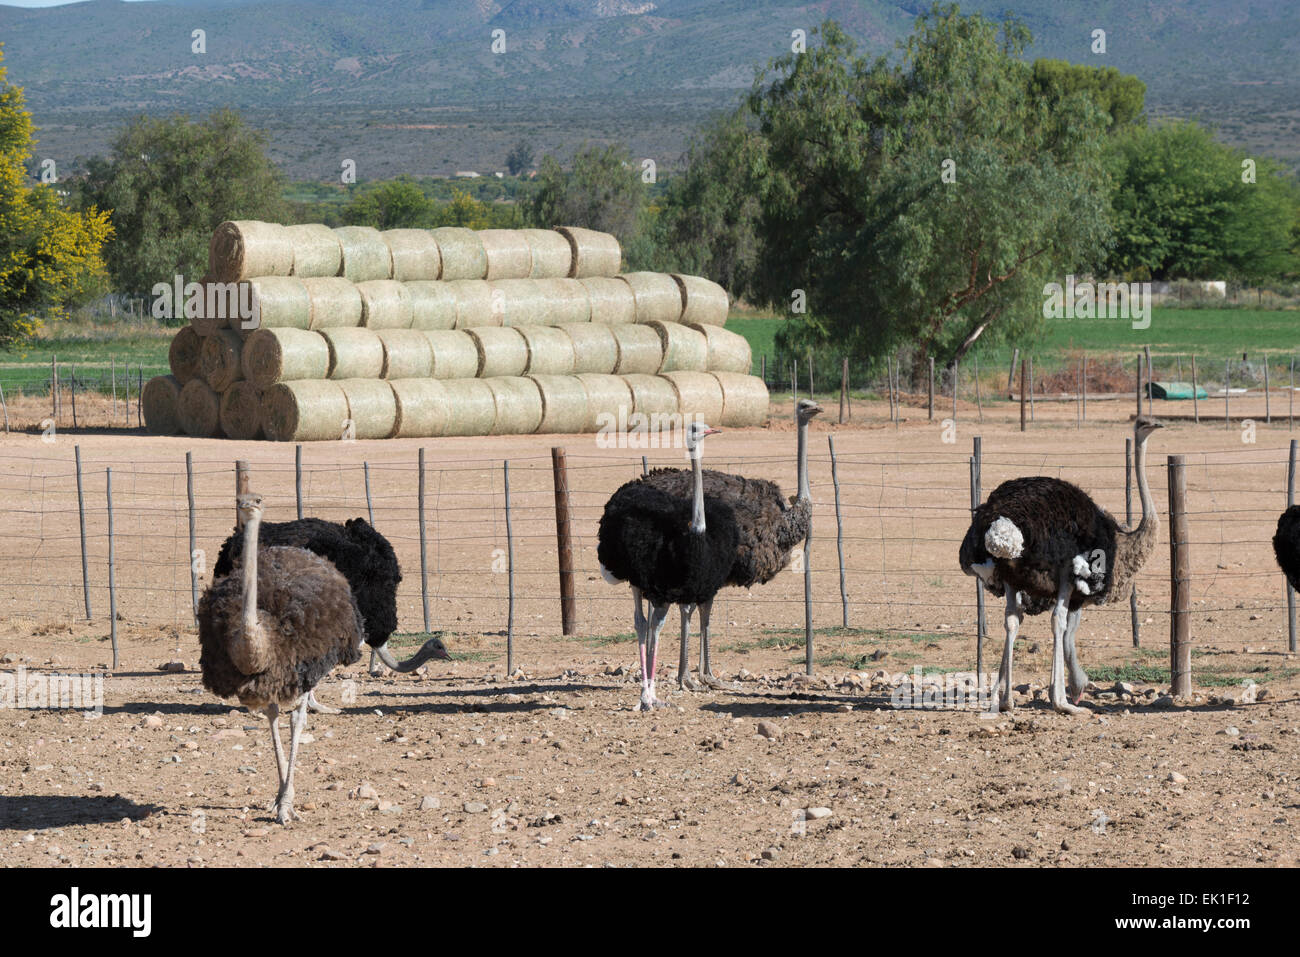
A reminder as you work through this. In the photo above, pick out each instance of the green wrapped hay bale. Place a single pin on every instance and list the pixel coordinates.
(744, 400)
(518, 405)
(334, 303)
(476, 305)
(594, 253)
(728, 351)
(658, 297)
(594, 347)
(508, 254)
(640, 350)
(372, 410)
(316, 250)
(354, 353)
(282, 355)
(699, 396)
(414, 254)
(244, 248)
(279, 302)
(183, 354)
(422, 408)
(550, 350)
(407, 353)
(241, 411)
(385, 304)
(550, 254)
(609, 401)
(433, 305)
(161, 401)
(610, 299)
(703, 300)
(501, 351)
(684, 349)
(311, 411)
(518, 302)
(365, 254)
(220, 359)
(568, 300)
(199, 410)
(652, 395)
(453, 354)
(471, 407)
(463, 256)
(564, 404)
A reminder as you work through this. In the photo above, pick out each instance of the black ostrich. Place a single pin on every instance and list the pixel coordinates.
(272, 631)
(367, 561)
(1286, 545)
(672, 551)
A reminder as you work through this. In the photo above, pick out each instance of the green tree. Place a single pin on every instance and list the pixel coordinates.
(519, 158)
(463, 210)
(171, 181)
(603, 190)
(393, 204)
(49, 255)
(1120, 95)
(927, 202)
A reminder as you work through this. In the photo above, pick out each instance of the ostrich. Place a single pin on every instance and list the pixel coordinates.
(1286, 544)
(271, 632)
(1043, 543)
(672, 550)
(367, 561)
(769, 526)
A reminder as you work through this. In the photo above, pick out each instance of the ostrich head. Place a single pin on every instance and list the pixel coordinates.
(805, 409)
(1143, 426)
(249, 507)
(695, 433)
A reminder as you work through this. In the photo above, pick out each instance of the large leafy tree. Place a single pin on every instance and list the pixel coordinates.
(926, 202)
(393, 204)
(1120, 95)
(49, 255)
(602, 190)
(169, 182)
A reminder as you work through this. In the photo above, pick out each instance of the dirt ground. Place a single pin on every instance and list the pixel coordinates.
(465, 764)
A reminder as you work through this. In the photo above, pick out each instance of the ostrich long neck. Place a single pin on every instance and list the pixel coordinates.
(804, 492)
(249, 649)
(697, 494)
(1149, 515)
(250, 575)
(1135, 545)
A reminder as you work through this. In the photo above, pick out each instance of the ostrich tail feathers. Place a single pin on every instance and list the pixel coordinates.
(1004, 540)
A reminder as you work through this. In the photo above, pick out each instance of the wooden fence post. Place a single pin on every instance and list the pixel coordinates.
(81, 517)
(1128, 520)
(1084, 377)
(1196, 402)
(564, 540)
(1011, 373)
(1268, 410)
(139, 396)
(839, 534)
(370, 507)
(5, 406)
(297, 477)
(1023, 379)
(844, 387)
(979, 399)
(956, 372)
(1032, 417)
(241, 486)
(510, 577)
(112, 568)
(930, 389)
(1151, 377)
(1227, 371)
(424, 547)
(1180, 598)
(74, 395)
(1137, 389)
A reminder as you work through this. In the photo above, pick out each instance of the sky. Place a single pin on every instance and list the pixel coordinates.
(44, 3)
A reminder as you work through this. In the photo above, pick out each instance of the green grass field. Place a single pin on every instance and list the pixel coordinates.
(94, 351)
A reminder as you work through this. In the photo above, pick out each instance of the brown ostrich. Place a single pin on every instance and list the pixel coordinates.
(271, 630)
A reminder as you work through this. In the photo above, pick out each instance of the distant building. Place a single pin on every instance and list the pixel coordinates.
(466, 174)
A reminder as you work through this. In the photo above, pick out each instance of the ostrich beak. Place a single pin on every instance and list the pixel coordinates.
(712, 432)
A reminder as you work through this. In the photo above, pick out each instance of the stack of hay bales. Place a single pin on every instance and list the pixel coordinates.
(312, 333)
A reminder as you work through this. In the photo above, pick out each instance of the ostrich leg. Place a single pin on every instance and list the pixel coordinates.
(1060, 627)
(706, 666)
(272, 712)
(1003, 699)
(650, 657)
(376, 668)
(284, 812)
(1078, 677)
(316, 706)
(684, 680)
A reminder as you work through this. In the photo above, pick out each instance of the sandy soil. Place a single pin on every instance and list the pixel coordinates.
(467, 765)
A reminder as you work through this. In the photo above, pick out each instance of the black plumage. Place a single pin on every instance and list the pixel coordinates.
(1286, 544)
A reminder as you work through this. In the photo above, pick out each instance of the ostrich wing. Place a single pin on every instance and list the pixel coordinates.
(1286, 544)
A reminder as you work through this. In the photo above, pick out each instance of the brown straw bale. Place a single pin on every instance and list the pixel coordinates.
(241, 411)
(282, 355)
(161, 398)
(242, 249)
(199, 410)
(183, 354)
(220, 359)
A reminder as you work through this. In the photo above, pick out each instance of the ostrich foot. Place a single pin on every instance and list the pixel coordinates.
(717, 684)
(1065, 707)
(687, 683)
(653, 704)
(317, 707)
(377, 668)
(284, 812)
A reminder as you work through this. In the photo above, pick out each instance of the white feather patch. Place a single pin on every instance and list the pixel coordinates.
(1004, 540)
(1081, 567)
(606, 574)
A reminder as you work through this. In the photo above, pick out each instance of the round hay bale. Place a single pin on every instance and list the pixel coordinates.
(354, 353)
(365, 254)
(652, 395)
(640, 350)
(609, 401)
(316, 250)
(278, 302)
(215, 305)
(728, 351)
(422, 408)
(744, 400)
(658, 297)
(475, 304)
(414, 254)
(220, 359)
(550, 350)
(160, 400)
(385, 304)
(282, 355)
(699, 395)
(567, 300)
(241, 411)
(471, 407)
(199, 410)
(594, 253)
(703, 300)
(407, 354)
(519, 302)
(564, 404)
(433, 305)
(244, 248)
(501, 351)
(611, 300)
(551, 254)
(508, 254)
(594, 347)
(453, 354)
(463, 256)
(372, 409)
(685, 349)
(518, 405)
(183, 354)
(309, 411)
(334, 303)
